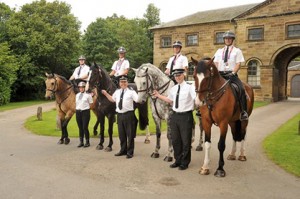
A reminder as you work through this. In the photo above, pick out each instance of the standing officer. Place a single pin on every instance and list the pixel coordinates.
(121, 66)
(228, 60)
(127, 121)
(182, 97)
(83, 101)
(177, 61)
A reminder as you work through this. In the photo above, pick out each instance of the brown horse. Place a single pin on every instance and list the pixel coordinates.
(218, 105)
(65, 101)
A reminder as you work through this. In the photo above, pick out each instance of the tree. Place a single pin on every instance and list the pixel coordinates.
(5, 13)
(45, 36)
(8, 75)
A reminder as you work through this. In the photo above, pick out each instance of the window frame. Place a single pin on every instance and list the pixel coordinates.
(254, 79)
(216, 38)
(255, 28)
(287, 31)
(162, 39)
(187, 39)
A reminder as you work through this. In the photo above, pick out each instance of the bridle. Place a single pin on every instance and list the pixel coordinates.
(150, 87)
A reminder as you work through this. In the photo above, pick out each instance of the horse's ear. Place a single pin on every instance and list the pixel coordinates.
(211, 61)
(134, 69)
(47, 75)
(194, 61)
(146, 70)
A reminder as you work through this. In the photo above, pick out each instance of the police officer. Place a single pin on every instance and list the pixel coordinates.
(127, 121)
(177, 61)
(121, 66)
(81, 73)
(182, 97)
(228, 60)
(83, 101)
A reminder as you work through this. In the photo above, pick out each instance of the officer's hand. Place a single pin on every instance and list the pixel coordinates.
(230, 75)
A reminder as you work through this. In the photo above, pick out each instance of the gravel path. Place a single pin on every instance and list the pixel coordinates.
(36, 167)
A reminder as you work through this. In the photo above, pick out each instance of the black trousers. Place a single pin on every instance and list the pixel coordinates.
(127, 124)
(181, 131)
(83, 119)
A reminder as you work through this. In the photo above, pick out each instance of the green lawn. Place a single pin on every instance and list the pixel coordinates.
(283, 146)
(14, 105)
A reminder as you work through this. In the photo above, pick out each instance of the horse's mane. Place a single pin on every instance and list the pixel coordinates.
(152, 69)
(66, 81)
(105, 81)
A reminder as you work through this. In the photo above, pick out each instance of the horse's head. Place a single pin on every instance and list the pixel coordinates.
(95, 75)
(204, 72)
(51, 85)
(143, 83)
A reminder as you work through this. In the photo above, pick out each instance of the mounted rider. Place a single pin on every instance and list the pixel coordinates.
(120, 67)
(228, 60)
(177, 61)
(81, 73)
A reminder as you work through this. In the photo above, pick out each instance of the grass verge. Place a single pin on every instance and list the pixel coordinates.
(282, 146)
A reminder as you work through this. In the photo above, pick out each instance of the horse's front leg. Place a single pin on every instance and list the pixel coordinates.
(101, 119)
(65, 135)
(199, 147)
(204, 170)
(110, 133)
(220, 172)
(155, 154)
(147, 139)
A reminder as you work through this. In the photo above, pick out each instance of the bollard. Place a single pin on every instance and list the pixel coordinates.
(39, 113)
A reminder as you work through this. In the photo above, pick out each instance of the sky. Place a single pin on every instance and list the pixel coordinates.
(87, 11)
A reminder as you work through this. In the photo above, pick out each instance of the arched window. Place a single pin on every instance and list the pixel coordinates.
(254, 73)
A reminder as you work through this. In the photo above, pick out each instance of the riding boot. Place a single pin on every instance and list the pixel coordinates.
(87, 143)
(81, 143)
(244, 114)
(75, 87)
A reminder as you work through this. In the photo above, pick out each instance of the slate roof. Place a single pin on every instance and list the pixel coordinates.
(210, 16)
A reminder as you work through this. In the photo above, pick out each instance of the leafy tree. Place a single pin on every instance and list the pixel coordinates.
(45, 36)
(8, 75)
(5, 13)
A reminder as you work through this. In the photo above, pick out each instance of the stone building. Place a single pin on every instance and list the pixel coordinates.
(268, 34)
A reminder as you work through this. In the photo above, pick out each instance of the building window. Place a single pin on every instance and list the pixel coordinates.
(255, 34)
(254, 73)
(166, 41)
(219, 38)
(293, 31)
(192, 40)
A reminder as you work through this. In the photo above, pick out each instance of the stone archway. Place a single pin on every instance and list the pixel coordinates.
(280, 60)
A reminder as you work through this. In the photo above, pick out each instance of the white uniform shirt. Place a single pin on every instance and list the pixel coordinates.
(235, 56)
(83, 101)
(187, 95)
(120, 66)
(85, 69)
(128, 98)
(181, 62)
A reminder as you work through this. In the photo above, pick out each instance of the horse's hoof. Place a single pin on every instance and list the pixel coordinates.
(67, 141)
(242, 158)
(147, 141)
(231, 157)
(99, 147)
(108, 149)
(203, 171)
(220, 173)
(155, 155)
(95, 133)
(199, 148)
(61, 141)
(168, 159)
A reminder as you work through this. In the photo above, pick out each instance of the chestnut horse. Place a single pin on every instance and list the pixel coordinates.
(65, 102)
(218, 105)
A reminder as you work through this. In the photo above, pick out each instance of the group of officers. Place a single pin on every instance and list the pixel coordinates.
(181, 97)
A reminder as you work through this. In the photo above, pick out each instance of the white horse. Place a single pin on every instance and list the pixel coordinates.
(148, 78)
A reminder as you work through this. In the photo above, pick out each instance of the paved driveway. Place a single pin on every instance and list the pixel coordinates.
(33, 166)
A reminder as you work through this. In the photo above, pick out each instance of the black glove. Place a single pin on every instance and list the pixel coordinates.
(230, 75)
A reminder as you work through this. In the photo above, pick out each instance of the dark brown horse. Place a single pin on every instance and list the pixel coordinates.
(65, 101)
(100, 80)
(219, 106)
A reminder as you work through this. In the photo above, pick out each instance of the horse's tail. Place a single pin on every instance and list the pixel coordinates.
(143, 115)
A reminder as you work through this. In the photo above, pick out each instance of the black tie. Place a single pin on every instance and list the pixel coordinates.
(226, 55)
(177, 97)
(172, 65)
(121, 100)
(79, 70)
